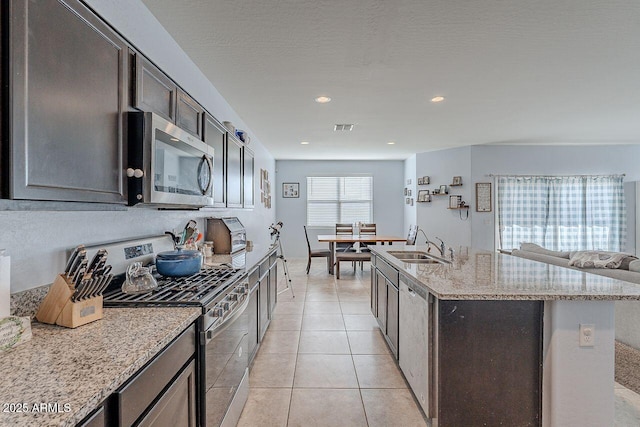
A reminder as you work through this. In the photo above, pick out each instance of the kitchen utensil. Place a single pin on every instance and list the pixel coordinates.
(75, 265)
(72, 259)
(139, 280)
(98, 258)
(179, 263)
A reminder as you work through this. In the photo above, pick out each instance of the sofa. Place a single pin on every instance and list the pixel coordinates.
(629, 269)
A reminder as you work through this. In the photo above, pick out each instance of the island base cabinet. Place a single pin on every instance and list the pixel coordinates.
(489, 363)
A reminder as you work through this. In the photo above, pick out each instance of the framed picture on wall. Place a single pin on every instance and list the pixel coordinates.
(290, 190)
(483, 197)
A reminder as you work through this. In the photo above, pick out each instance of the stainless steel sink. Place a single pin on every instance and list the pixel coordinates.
(405, 255)
(417, 257)
(421, 261)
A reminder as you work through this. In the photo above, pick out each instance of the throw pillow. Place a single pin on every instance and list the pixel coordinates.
(599, 259)
(635, 266)
(532, 247)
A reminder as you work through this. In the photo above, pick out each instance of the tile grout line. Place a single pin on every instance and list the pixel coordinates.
(295, 366)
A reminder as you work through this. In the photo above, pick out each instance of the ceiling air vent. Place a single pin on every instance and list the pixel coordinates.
(343, 127)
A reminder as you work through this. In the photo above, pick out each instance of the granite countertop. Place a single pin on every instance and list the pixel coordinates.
(78, 368)
(246, 260)
(484, 275)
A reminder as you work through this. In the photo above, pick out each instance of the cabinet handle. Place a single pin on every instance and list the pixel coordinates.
(137, 173)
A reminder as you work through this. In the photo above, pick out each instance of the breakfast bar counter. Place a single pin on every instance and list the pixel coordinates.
(493, 339)
(482, 275)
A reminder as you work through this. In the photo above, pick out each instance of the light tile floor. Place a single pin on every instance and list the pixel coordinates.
(324, 362)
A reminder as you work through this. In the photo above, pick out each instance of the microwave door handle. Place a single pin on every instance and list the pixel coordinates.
(205, 160)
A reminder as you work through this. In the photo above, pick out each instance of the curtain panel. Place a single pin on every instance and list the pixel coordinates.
(563, 213)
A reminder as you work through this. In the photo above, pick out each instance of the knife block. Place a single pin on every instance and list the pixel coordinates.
(57, 307)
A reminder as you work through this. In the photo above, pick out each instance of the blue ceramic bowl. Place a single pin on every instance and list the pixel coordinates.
(178, 263)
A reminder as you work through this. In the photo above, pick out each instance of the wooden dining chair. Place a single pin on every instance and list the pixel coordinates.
(316, 253)
(345, 229)
(354, 257)
(367, 229)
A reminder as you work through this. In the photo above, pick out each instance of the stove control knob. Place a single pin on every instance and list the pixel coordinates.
(233, 297)
(242, 290)
(217, 312)
(226, 306)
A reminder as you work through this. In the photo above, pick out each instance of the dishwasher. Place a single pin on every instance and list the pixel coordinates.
(414, 340)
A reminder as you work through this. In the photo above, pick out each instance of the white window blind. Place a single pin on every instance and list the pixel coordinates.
(339, 199)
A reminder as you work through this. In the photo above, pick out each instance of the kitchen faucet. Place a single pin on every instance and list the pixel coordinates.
(428, 242)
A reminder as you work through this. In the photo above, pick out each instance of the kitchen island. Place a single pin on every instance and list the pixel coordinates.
(491, 339)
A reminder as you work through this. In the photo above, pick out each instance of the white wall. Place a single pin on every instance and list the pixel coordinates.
(37, 241)
(434, 218)
(552, 160)
(388, 203)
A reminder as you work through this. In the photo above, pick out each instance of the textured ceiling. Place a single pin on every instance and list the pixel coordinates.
(512, 71)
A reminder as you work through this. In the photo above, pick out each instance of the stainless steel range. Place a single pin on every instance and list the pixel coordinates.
(223, 327)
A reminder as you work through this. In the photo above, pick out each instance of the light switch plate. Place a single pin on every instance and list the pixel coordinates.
(587, 335)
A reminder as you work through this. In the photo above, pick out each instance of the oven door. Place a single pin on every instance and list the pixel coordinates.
(225, 369)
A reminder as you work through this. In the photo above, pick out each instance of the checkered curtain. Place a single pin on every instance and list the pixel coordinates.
(562, 213)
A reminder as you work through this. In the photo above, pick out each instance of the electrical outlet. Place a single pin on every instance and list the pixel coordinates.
(587, 335)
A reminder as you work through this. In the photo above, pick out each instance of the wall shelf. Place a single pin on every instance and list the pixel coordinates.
(459, 208)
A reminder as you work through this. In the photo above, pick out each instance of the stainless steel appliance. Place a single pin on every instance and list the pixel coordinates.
(223, 328)
(167, 165)
(227, 234)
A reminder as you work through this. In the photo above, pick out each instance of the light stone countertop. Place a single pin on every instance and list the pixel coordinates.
(484, 275)
(80, 367)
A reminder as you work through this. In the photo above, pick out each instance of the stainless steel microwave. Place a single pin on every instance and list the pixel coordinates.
(167, 165)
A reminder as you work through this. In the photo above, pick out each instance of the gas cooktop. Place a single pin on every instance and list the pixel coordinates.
(195, 290)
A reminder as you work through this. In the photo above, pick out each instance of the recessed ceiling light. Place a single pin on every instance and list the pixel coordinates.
(323, 99)
(175, 139)
(305, 143)
(437, 99)
(391, 143)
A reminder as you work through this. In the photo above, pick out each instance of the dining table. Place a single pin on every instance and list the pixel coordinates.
(332, 239)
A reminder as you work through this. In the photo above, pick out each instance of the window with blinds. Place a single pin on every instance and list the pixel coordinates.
(339, 199)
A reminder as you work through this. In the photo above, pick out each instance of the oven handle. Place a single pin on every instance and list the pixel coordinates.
(211, 333)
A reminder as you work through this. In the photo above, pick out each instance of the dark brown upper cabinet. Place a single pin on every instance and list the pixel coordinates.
(189, 114)
(234, 172)
(154, 91)
(214, 136)
(247, 176)
(65, 76)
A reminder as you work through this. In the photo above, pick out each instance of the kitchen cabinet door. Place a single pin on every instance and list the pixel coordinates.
(189, 114)
(154, 90)
(392, 318)
(374, 292)
(67, 78)
(247, 175)
(381, 285)
(177, 406)
(273, 288)
(234, 172)
(263, 305)
(214, 137)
